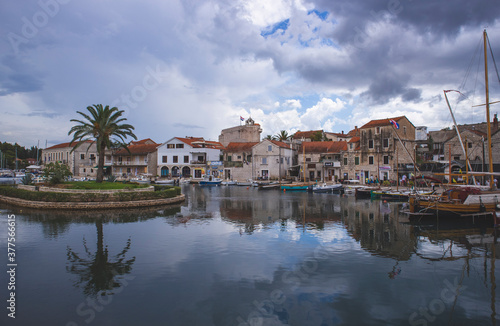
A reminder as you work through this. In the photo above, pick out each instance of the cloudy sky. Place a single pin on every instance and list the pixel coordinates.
(193, 67)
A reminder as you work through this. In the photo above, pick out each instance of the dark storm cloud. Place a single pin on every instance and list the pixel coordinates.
(439, 18)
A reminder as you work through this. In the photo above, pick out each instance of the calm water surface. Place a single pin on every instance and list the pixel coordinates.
(238, 256)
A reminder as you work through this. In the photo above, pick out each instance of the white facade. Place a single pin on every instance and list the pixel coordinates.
(188, 157)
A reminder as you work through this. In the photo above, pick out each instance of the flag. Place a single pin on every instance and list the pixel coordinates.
(241, 118)
(394, 123)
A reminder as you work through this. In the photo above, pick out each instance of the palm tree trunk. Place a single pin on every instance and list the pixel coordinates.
(100, 164)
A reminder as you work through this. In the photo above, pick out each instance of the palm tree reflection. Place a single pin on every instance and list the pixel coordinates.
(97, 271)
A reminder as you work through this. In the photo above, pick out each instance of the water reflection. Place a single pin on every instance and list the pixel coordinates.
(237, 256)
(97, 272)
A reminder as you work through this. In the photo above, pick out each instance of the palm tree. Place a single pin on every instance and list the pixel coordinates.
(282, 135)
(269, 137)
(102, 127)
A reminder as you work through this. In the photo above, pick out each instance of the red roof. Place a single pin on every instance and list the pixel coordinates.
(355, 139)
(237, 147)
(137, 149)
(200, 142)
(324, 146)
(279, 143)
(143, 142)
(354, 132)
(63, 145)
(381, 122)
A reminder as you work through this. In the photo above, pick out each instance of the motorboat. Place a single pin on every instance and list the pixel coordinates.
(209, 180)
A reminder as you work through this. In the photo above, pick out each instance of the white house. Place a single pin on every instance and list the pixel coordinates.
(189, 157)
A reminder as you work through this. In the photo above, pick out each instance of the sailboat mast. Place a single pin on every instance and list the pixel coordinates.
(488, 105)
(467, 162)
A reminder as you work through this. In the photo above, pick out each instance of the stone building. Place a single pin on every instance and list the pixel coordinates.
(238, 161)
(249, 132)
(383, 150)
(82, 162)
(322, 160)
(140, 159)
(271, 159)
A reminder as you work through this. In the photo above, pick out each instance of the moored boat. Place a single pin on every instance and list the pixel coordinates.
(327, 188)
(457, 202)
(209, 180)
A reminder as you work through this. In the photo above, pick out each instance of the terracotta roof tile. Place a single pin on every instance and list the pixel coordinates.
(137, 149)
(324, 146)
(236, 147)
(380, 122)
(200, 142)
(63, 145)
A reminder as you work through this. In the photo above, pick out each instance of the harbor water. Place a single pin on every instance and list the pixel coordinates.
(242, 256)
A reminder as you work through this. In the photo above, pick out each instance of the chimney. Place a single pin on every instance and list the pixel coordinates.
(495, 122)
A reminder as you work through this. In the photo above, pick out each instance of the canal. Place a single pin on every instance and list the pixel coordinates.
(239, 256)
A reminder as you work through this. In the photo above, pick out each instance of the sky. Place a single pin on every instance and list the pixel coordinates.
(194, 67)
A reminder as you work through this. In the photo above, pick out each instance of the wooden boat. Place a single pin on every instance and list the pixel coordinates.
(456, 201)
(228, 183)
(268, 186)
(398, 195)
(296, 187)
(365, 192)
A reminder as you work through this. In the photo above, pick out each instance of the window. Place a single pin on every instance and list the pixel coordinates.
(229, 158)
(404, 130)
(350, 146)
(377, 130)
(370, 143)
(469, 145)
(201, 158)
(179, 145)
(186, 159)
(82, 157)
(356, 160)
(239, 157)
(456, 158)
(386, 159)
(170, 145)
(370, 159)
(164, 159)
(386, 142)
(345, 160)
(270, 148)
(264, 160)
(308, 159)
(176, 159)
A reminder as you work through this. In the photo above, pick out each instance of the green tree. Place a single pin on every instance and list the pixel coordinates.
(269, 137)
(103, 127)
(56, 172)
(282, 135)
(318, 136)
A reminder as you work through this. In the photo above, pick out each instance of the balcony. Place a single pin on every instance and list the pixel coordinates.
(198, 162)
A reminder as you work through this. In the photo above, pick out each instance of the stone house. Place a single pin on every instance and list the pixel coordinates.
(322, 160)
(383, 150)
(82, 162)
(238, 160)
(140, 159)
(189, 157)
(311, 135)
(272, 159)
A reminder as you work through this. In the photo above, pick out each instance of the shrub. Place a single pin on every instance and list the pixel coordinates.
(56, 172)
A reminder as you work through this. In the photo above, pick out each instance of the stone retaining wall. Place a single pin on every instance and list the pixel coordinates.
(83, 191)
(91, 205)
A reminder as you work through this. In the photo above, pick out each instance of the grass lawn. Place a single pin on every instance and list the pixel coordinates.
(101, 186)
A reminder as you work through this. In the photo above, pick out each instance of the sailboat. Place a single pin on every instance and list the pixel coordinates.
(465, 201)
